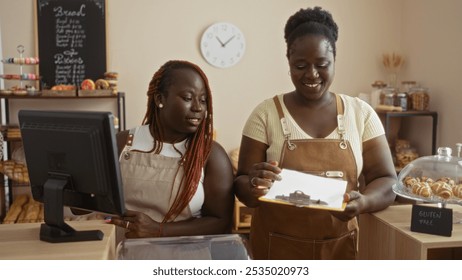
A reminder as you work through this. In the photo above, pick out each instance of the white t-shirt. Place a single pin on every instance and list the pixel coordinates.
(361, 124)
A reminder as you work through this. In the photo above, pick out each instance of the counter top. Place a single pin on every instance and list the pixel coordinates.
(22, 242)
(387, 235)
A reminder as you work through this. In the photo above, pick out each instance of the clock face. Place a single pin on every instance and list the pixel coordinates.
(222, 45)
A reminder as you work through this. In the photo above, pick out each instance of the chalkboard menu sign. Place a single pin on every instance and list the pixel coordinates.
(71, 41)
(431, 220)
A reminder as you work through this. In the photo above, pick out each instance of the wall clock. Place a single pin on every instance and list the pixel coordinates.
(222, 44)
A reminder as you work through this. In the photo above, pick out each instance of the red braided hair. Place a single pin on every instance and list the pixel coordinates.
(199, 144)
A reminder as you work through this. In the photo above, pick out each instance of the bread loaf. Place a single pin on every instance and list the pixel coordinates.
(16, 209)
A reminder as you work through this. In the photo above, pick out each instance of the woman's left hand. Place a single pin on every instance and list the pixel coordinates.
(353, 207)
(138, 224)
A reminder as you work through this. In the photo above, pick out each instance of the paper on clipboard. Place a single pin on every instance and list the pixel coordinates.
(329, 191)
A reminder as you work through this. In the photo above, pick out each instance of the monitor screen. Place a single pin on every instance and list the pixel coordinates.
(72, 161)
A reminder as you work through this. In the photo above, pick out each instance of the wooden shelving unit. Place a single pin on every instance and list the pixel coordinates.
(242, 217)
(7, 183)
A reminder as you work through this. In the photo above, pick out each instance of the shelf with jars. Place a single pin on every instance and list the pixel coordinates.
(410, 101)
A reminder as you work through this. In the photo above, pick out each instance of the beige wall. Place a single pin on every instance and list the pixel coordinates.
(433, 45)
(143, 34)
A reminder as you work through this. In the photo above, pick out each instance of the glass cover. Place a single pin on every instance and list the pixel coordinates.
(436, 179)
(204, 247)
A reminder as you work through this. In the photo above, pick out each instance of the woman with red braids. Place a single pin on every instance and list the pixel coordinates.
(177, 180)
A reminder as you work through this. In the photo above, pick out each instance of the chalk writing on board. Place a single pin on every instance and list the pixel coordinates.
(76, 48)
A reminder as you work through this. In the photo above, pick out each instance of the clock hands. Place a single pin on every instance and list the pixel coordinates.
(229, 40)
(225, 43)
(221, 43)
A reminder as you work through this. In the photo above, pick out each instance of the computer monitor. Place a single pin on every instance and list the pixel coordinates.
(72, 161)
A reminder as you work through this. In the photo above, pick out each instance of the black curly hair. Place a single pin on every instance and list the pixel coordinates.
(314, 21)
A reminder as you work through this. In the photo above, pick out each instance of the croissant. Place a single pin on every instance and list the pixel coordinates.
(426, 179)
(447, 180)
(422, 189)
(457, 190)
(442, 189)
(410, 181)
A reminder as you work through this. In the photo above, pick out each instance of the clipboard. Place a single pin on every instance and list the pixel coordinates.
(306, 190)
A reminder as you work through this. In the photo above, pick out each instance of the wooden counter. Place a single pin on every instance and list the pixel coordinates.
(21, 242)
(386, 235)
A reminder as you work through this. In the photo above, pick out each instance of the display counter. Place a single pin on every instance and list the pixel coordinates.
(386, 235)
(21, 242)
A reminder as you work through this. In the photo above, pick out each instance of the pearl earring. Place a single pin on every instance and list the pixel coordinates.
(161, 105)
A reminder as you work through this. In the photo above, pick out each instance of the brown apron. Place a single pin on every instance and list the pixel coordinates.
(151, 182)
(287, 232)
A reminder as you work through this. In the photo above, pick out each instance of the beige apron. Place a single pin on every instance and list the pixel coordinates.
(151, 182)
(287, 232)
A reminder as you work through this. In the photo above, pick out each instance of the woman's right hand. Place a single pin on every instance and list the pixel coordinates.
(262, 175)
(137, 224)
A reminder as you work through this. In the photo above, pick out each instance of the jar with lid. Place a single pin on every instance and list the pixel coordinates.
(402, 100)
(407, 85)
(388, 96)
(377, 87)
(420, 99)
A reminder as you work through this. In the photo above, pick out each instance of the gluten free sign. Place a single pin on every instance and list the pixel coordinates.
(432, 220)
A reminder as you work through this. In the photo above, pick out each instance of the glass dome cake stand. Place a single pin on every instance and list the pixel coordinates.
(433, 179)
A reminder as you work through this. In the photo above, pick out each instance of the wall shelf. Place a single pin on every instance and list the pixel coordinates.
(389, 116)
(6, 183)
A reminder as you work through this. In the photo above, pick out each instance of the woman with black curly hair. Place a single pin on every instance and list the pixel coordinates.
(312, 129)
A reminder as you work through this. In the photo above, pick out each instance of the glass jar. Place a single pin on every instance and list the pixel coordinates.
(388, 96)
(402, 100)
(419, 98)
(407, 85)
(377, 87)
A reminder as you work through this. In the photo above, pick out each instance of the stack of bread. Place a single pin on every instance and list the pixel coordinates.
(24, 210)
(16, 171)
(13, 132)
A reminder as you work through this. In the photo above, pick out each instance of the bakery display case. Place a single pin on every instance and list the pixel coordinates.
(433, 179)
(431, 227)
(202, 247)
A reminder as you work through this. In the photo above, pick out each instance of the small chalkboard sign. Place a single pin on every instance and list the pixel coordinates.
(431, 220)
(71, 41)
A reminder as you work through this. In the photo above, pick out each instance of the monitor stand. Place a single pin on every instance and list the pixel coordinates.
(55, 230)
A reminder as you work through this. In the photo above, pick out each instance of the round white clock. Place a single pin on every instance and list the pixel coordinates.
(222, 44)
